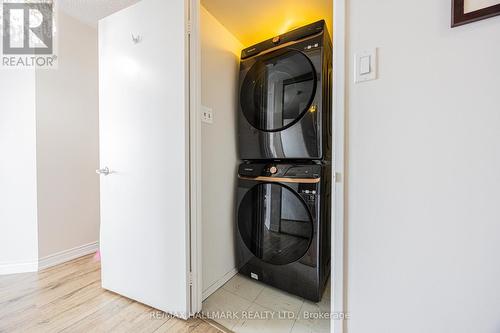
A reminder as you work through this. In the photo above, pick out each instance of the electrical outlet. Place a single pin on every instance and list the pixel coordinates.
(207, 115)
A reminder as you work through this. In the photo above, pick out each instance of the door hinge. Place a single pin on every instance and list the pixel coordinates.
(188, 28)
(337, 177)
(190, 278)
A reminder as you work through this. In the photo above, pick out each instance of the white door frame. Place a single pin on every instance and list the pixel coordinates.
(194, 45)
(339, 91)
(339, 162)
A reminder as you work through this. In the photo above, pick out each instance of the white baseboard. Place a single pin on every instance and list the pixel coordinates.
(67, 255)
(18, 267)
(219, 283)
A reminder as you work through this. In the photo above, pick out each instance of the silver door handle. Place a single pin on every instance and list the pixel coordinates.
(104, 171)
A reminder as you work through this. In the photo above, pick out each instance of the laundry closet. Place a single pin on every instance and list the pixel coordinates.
(259, 167)
(216, 160)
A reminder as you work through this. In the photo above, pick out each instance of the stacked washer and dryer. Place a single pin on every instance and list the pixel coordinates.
(284, 183)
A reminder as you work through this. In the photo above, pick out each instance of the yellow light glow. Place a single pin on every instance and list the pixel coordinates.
(273, 29)
(285, 26)
(294, 18)
(252, 22)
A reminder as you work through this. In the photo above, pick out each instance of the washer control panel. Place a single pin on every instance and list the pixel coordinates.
(309, 192)
(278, 170)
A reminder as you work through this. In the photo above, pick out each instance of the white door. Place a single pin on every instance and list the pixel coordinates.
(144, 144)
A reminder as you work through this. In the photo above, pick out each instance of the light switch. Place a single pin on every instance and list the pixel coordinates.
(365, 68)
(364, 65)
(207, 115)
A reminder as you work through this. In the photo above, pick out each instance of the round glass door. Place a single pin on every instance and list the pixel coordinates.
(277, 90)
(275, 224)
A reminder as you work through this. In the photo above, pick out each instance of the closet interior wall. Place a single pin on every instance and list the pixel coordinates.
(219, 84)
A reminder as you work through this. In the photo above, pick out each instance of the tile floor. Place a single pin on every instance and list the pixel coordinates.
(246, 305)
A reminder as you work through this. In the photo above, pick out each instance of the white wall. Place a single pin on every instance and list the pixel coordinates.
(68, 141)
(423, 239)
(18, 204)
(220, 70)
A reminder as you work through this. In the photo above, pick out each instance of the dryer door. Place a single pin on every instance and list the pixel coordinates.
(278, 90)
(275, 223)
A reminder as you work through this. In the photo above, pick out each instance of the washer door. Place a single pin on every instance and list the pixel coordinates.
(275, 223)
(278, 90)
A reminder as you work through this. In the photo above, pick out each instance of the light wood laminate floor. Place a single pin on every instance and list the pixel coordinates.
(69, 298)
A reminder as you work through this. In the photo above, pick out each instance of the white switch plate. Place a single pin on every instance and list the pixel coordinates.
(365, 66)
(207, 115)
